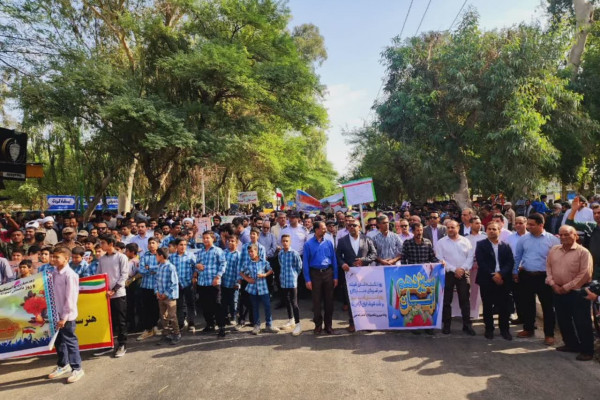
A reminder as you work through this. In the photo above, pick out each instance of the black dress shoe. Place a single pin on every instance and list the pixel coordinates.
(566, 349)
(489, 334)
(429, 332)
(318, 330)
(446, 330)
(221, 332)
(209, 329)
(331, 331)
(506, 335)
(469, 330)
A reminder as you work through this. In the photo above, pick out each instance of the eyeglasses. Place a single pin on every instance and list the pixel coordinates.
(353, 225)
(403, 226)
(373, 225)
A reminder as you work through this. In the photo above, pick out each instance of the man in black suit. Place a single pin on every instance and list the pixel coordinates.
(354, 250)
(495, 263)
(465, 217)
(434, 231)
(554, 221)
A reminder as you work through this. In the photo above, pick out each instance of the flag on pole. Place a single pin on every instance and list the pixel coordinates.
(305, 202)
(280, 198)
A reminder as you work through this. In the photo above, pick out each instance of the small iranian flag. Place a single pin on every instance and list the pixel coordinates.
(279, 194)
(92, 284)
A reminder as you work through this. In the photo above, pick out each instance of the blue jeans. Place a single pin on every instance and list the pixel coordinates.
(67, 346)
(256, 299)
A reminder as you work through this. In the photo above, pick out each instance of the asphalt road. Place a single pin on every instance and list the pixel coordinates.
(382, 365)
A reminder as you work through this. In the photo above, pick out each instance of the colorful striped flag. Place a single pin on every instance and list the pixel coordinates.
(305, 202)
(92, 284)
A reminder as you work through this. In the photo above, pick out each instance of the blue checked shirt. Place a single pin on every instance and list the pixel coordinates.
(185, 265)
(252, 269)
(148, 275)
(165, 242)
(232, 273)
(167, 281)
(291, 265)
(47, 267)
(82, 269)
(245, 257)
(93, 268)
(214, 263)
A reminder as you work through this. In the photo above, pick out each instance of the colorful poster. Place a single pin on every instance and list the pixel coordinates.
(396, 297)
(305, 202)
(360, 191)
(27, 316)
(94, 328)
(334, 202)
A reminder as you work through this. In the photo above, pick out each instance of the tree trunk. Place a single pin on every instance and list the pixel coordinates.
(584, 12)
(97, 196)
(462, 197)
(129, 189)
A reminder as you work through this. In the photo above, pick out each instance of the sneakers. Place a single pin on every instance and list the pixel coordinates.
(164, 340)
(288, 325)
(103, 352)
(157, 332)
(272, 329)
(240, 325)
(297, 330)
(75, 376)
(192, 329)
(145, 335)
(60, 371)
(256, 330)
(121, 350)
(175, 339)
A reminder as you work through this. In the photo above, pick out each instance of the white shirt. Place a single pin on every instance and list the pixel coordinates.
(341, 233)
(355, 243)
(142, 242)
(466, 230)
(473, 239)
(584, 215)
(298, 235)
(456, 253)
(495, 247)
(504, 235)
(127, 239)
(373, 233)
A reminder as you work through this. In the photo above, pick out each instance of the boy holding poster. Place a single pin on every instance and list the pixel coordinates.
(66, 291)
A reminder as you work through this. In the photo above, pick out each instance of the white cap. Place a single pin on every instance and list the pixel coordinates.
(32, 224)
(188, 220)
(47, 219)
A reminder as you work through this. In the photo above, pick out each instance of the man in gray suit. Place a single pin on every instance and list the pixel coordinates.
(354, 250)
(434, 231)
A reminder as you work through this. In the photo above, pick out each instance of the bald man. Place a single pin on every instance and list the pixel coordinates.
(569, 267)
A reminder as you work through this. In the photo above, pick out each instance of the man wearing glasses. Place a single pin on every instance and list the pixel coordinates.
(354, 250)
(402, 230)
(372, 227)
(434, 231)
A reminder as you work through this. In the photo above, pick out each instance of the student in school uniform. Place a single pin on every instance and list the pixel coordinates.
(78, 264)
(185, 265)
(230, 280)
(66, 291)
(45, 260)
(255, 273)
(211, 265)
(148, 270)
(291, 265)
(167, 292)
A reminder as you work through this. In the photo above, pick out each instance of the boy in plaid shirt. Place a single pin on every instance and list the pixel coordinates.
(78, 264)
(229, 281)
(167, 292)
(184, 264)
(148, 270)
(255, 273)
(211, 264)
(262, 253)
(291, 265)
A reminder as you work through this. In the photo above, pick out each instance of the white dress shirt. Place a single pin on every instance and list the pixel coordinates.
(298, 235)
(355, 243)
(456, 253)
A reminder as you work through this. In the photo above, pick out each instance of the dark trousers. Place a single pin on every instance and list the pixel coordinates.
(67, 346)
(210, 300)
(574, 321)
(187, 302)
(290, 296)
(245, 305)
(462, 288)
(322, 290)
(531, 285)
(228, 302)
(134, 306)
(149, 309)
(496, 297)
(515, 291)
(118, 314)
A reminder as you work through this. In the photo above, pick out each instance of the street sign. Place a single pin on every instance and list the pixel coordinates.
(13, 155)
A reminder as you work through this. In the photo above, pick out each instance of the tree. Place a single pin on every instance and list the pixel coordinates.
(485, 105)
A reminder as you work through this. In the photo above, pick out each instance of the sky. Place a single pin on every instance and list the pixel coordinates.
(357, 31)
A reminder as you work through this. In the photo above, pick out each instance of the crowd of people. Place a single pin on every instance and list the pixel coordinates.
(163, 273)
